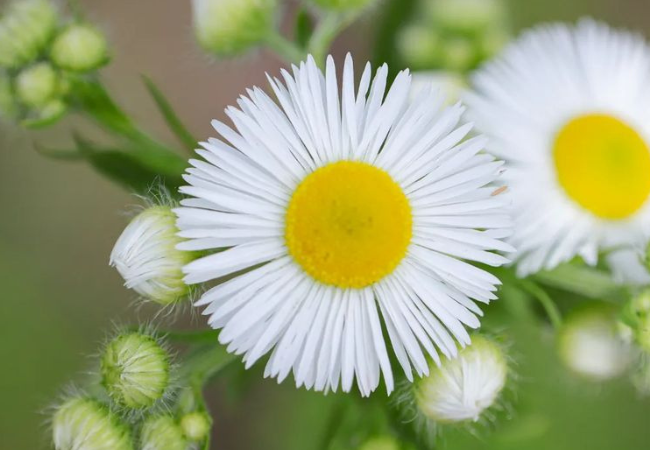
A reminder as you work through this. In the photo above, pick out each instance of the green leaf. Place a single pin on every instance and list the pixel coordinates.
(581, 280)
(303, 28)
(172, 119)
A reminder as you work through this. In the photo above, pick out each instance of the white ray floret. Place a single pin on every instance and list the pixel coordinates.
(330, 328)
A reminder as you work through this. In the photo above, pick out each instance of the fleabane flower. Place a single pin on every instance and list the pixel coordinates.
(147, 258)
(339, 215)
(82, 423)
(461, 389)
(568, 108)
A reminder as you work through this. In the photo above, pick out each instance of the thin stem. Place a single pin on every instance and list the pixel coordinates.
(333, 423)
(581, 280)
(545, 300)
(191, 336)
(325, 33)
(285, 48)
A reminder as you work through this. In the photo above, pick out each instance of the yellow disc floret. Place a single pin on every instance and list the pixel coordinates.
(603, 165)
(348, 224)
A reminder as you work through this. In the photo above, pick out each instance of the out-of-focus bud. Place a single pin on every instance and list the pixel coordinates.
(467, 16)
(636, 316)
(147, 258)
(79, 48)
(37, 85)
(196, 426)
(162, 433)
(458, 53)
(343, 5)
(231, 27)
(419, 46)
(135, 370)
(25, 28)
(380, 443)
(85, 424)
(590, 344)
(449, 84)
(461, 389)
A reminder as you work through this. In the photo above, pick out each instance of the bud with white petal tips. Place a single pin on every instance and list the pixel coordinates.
(25, 29)
(231, 27)
(461, 389)
(83, 423)
(37, 85)
(147, 258)
(79, 48)
(343, 5)
(196, 426)
(135, 370)
(590, 344)
(162, 433)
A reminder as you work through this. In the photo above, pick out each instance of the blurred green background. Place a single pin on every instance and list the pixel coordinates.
(59, 222)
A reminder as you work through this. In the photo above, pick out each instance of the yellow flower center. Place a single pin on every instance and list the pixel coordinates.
(348, 224)
(603, 165)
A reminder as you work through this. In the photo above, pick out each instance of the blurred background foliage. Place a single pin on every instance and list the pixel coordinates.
(59, 222)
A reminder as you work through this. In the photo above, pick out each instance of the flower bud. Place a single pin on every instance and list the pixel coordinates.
(343, 5)
(589, 344)
(419, 47)
(135, 370)
(37, 85)
(467, 16)
(147, 258)
(462, 388)
(380, 443)
(230, 27)
(85, 424)
(79, 48)
(196, 426)
(636, 316)
(162, 433)
(25, 28)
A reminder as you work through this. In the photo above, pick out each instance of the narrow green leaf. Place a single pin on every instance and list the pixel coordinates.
(57, 153)
(303, 28)
(170, 116)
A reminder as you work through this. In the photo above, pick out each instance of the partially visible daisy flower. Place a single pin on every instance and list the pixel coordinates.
(568, 108)
(627, 267)
(338, 216)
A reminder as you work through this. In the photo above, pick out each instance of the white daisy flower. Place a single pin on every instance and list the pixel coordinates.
(568, 108)
(339, 216)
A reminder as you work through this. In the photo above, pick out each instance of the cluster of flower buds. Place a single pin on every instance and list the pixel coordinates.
(41, 53)
(454, 35)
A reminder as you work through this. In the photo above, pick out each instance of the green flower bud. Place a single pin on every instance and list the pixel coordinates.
(467, 16)
(230, 27)
(636, 316)
(590, 344)
(79, 48)
(25, 29)
(85, 424)
(147, 258)
(343, 5)
(461, 389)
(380, 443)
(458, 54)
(37, 85)
(196, 426)
(419, 47)
(162, 433)
(135, 370)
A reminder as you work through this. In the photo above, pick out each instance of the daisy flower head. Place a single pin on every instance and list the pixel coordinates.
(338, 216)
(568, 108)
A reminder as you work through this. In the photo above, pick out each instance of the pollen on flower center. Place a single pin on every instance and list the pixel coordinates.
(603, 165)
(348, 224)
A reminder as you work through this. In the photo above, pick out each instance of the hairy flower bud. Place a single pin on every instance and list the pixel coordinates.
(79, 48)
(37, 85)
(196, 426)
(162, 433)
(230, 27)
(590, 346)
(462, 388)
(147, 258)
(636, 316)
(85, 424)
(343, 5)
(135, 370)
(25, 28)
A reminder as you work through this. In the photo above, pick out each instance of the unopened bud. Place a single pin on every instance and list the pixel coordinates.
(419, 47)
(135, 370)
(162, 433)
(461, 389)
(636, 316)
(196, 426)
(231, 27)
(25, 29)
(147, 258)
(79, 48)
(85, 424)
(590, 344)
(37, 85)
(467, 16)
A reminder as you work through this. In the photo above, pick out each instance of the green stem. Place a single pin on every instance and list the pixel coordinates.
(582, 280)
(325, 33)
(191, 336)
(545, 300)
(285, 48)
(334, 423)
